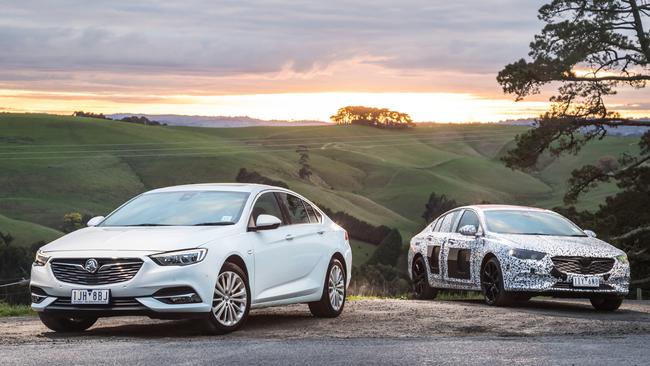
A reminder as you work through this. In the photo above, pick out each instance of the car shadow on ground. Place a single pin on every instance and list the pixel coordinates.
(142, 327)
(570, 308)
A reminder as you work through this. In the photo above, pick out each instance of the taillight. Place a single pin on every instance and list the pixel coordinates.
(347, 238)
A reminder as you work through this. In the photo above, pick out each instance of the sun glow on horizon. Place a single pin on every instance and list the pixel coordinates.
(423, 107)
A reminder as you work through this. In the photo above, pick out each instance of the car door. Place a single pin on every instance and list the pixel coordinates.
(285, 257)
(271, 249)
(309, 246)
(461, 249)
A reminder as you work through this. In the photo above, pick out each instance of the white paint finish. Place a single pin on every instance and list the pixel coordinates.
(280, 271)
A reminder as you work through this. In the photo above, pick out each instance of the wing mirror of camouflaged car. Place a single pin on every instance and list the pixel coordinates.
(468, 230)
(590, 233)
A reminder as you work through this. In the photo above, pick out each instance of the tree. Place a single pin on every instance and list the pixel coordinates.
(89, 115)
(305, 169)
(388, 250)
(376, 117)
(72, 221)
(590, 48)
(436, 206)
(245, 176)
(7, 238)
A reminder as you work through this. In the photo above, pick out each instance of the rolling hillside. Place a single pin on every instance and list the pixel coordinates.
(50, 165)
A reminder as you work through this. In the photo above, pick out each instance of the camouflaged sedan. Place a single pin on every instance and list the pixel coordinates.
(512, 253)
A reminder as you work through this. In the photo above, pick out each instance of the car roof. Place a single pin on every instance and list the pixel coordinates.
(493, 207)
(231, 187)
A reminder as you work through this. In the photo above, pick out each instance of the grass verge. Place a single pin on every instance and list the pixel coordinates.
(15, 310)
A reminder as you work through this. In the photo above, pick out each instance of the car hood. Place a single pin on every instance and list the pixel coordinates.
(155, 239)
(560, 245)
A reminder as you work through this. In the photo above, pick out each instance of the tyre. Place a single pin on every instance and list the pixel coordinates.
(231, 301)
(421, 288)
(492, 285)
(606, 303)
(66, 324)
(334, 291)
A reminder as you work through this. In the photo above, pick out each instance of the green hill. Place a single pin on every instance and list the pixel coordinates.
(26, 233)
(55, 164)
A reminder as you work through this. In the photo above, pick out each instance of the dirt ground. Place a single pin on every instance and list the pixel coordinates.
(370, 319)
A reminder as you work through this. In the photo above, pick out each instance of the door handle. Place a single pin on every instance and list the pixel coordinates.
(321, 232)
(288, 237)
(451, 241)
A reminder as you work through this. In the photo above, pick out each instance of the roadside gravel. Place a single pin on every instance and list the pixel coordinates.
(370, 319)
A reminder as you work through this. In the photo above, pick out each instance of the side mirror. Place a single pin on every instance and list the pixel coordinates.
(590, 233)
(468, 230)
(95, 221)
(267, 222)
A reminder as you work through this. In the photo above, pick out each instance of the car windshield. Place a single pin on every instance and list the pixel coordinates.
(530, 223)
(186, 208)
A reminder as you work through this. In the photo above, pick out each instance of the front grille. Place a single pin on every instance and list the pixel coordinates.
(583, 265)
(111, 270)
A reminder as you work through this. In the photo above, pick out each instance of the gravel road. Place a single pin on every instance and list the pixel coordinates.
(369, 331)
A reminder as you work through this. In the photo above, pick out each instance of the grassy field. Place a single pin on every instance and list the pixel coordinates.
(55, 164)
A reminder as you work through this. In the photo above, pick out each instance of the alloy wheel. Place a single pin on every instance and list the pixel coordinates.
(490, 282)
(336, 287)
(230, 299)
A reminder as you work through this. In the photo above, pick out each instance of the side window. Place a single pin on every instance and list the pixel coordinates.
(436, 226)
(469, 218)
(266, 204)
(314, 216)
(447, 222)
(295, 209)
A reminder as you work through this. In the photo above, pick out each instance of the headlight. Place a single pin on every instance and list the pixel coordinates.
(41, 259)
(527, 254)
(179, 258)
(622, 258)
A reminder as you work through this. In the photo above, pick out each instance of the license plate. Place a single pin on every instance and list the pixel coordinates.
(586, 281)
(90, 297)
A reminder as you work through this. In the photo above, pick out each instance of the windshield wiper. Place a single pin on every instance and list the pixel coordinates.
(220, 223)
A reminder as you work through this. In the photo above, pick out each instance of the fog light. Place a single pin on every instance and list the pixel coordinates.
(179, 299)
(37, 299)
(38, 295)
(177, 295)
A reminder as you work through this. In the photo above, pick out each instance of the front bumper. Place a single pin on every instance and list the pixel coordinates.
(541, 277)
(136, 296)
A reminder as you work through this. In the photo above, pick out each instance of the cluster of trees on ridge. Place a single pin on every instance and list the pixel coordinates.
(375, 117)
(142, 120)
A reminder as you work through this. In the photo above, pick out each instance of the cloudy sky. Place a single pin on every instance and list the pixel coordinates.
(279, 59)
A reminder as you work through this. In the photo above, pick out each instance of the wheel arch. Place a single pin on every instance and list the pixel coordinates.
(415, 257)
(340, 257)
(239, 261)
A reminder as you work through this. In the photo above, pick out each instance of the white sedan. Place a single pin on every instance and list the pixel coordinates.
(512, 253)
(206, 251)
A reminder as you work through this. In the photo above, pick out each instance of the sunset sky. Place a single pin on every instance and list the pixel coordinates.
(279, 59)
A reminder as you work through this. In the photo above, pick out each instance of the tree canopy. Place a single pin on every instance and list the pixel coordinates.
(375, 117)
(589, 49)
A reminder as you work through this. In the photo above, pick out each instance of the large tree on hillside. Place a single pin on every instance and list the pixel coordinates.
(590, 48)
(376, 117)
